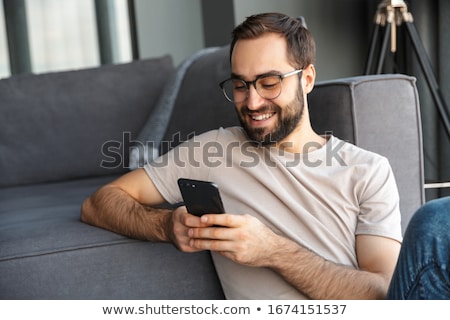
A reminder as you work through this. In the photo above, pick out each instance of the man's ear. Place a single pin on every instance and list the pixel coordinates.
(309, 78)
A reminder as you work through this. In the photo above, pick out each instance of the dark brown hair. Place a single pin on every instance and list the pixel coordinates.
(301, 44)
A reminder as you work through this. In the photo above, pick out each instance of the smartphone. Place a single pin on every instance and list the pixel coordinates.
(200, 197)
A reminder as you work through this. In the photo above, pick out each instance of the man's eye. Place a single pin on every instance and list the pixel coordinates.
(239, 86)
(269, 83)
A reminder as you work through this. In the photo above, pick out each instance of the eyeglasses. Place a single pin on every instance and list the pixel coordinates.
(268, 86)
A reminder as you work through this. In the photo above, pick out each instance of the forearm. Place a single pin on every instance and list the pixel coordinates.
(113, 209)
(321, 279)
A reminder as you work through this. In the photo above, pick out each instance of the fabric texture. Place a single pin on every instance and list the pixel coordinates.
(146, 146)
(320, 199)
(200, 105)
(75, 124)
(48, 253)
(380, 113)
(423, 268)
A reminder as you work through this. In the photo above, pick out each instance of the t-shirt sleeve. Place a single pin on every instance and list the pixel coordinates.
(184, 161)
(380, 209)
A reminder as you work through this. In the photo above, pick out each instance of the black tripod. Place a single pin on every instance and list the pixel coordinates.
(391, 14)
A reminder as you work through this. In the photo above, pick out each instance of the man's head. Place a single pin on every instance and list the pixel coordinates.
(301, 45)
(267, 53)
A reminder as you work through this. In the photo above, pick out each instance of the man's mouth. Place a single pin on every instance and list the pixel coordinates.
(263, 116)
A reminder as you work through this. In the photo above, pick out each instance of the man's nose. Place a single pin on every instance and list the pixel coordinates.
(254, 100)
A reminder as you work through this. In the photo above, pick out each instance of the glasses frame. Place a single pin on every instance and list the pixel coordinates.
(248, 83)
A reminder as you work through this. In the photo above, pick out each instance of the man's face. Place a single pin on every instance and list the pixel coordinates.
(267, 121)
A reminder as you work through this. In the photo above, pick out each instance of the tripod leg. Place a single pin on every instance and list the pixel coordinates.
(387, 33)
(373, 44)
(429, 74)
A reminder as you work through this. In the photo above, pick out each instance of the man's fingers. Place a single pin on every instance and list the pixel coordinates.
(222, 219)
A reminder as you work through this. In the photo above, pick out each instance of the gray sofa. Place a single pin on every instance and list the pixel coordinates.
(65, 134)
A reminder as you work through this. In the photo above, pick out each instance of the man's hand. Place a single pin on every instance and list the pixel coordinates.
(241, 238)
(182, 222)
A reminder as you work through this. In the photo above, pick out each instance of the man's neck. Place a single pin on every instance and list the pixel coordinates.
(302, 140)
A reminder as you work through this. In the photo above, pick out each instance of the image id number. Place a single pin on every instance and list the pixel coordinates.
(307, 308)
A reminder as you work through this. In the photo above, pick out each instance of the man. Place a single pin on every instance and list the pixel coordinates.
(308, 216)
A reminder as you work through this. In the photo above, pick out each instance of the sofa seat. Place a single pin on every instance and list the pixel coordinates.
(43, 240)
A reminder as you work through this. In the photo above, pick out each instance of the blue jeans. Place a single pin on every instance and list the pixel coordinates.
(423, 267)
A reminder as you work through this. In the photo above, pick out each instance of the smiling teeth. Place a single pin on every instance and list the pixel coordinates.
(262, 116)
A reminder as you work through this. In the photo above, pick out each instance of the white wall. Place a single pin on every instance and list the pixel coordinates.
(169, 27)
(245, 8)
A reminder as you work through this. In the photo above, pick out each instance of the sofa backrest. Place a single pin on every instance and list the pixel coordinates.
(74, 124)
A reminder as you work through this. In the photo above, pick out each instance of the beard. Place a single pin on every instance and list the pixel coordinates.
(288, 118)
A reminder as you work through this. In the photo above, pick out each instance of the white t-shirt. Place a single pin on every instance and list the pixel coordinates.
(320, 199)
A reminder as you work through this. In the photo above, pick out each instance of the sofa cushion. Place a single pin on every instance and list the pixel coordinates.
(72, 124)
(46, 252)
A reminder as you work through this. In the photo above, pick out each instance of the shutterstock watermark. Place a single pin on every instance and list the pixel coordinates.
(214, 154)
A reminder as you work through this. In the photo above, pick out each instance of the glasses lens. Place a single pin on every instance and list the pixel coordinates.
(269, 87)
(235, 90)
